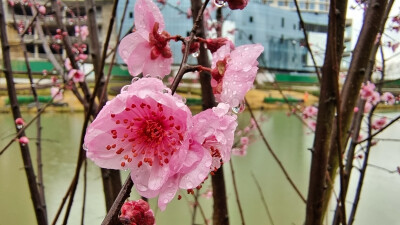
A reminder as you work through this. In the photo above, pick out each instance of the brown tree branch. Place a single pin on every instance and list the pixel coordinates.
(40, 212)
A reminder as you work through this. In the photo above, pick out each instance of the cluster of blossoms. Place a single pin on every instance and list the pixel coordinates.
(19, 122)
(310, 116)
(373, 97)
(152, 133)
(245, 137)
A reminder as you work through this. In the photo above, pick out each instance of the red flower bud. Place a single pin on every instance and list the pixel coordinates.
(237, 4)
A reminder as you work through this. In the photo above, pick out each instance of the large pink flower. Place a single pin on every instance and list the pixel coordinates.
(147, 130)
(214, 129)
(147, 49)
(234, 72)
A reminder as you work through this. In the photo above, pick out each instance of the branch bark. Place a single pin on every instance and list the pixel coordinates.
(326, 113)
(40, 211)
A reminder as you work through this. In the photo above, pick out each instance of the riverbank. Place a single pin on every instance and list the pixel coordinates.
(255, 97)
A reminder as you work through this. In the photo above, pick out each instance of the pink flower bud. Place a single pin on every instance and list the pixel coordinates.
(136, 212)
(214, 44)
(19, 121)
(23, 140)
(237, 4)
(42, 9)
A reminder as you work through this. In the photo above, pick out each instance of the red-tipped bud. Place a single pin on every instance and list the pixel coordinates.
(19, 122)
(214, 44)
(237, 4)
(136, 212)
(23, 140)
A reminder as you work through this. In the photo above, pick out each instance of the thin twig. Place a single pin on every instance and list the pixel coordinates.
(263, 198)
(269, 148)
(236, 193)
(84, 192)
(303, 27)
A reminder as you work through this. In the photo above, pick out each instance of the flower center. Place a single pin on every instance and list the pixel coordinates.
(159, 43)
(145, 133)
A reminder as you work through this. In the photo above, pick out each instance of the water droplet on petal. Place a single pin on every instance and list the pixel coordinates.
(239, 108)
(189, 184)
(247, 68)
(124, 88)
(84, 147)
(165, 201)
(219, 3)
(135, 79)
(183, 100)
(196, 54)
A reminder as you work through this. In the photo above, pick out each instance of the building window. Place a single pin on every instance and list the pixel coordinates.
(250, 19)
(250, 37)
(282, 22)
(131, 15)
(281, 3)
(294, 27)
(30, 48)
(311, 6)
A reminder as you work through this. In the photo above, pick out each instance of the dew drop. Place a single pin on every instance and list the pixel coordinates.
(189, 184)
(19, 126)
(219, 3)
(183, 100)
(247, 68)
(84, 147)
(124, 88)
(196, 54)
(239, 108)
(135, 79)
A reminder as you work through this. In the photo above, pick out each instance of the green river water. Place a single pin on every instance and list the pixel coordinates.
(380, 200)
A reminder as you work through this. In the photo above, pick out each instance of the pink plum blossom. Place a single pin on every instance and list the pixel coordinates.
(244, 140)
(367, 90)
(355, 109)
(76, 75)
(242, 151)
(310, 112)
(42, 9)
(375, 98)
(216, 136)
(208, 193)
(367, 107)
(312, 124)
(234, 72)
(379, 123)
(136, 213)
(84, 32)
(153, 134)
(147, 49)
(56, 94)
(388, 98)
(67, 64)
